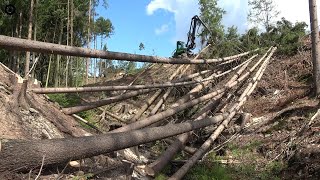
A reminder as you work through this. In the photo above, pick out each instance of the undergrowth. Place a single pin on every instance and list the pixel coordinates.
(69, 100)
(247, 165)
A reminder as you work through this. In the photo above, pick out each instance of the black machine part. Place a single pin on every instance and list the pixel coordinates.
(195, 21)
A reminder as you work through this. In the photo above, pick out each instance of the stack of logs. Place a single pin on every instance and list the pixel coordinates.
(225, 101)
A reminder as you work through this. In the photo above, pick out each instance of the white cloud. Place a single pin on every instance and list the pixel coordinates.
(236, 12)
(183, 11)
(294, 11)
(163, 29)
(160, 4)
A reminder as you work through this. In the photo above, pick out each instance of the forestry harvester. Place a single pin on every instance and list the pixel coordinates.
(183, 49)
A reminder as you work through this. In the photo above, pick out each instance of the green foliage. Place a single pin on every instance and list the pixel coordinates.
(50, 22)
(251, 39)
(65, 100)
(161, 177)
(231, 43)
(69, 100)
(287, 36)
(208, 171)
(211, 14)
(84, 177)
(103, 27)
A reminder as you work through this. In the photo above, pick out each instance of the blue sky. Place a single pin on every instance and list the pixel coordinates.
(158, 24)
(133, 25)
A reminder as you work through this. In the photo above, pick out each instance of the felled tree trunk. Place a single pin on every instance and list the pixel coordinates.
(92, 105)
(12, 43)
(21, 155)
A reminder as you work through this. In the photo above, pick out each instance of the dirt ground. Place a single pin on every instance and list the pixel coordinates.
(282, 109)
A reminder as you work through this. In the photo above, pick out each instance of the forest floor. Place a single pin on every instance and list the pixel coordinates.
(281, 139)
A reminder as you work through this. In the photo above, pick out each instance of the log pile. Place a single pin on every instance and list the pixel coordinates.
(216, 97)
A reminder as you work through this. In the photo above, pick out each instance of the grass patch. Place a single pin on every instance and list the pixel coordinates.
(252, 165)
(161, 177)
(206, 171)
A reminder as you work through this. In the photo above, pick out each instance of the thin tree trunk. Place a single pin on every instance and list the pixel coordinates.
(48, 73)
(50, 48)
(26, 69)
(95, 59)
(57, 67)
(88, 43)
(71, 41)
(50, 58)
(100, 62)
(85, 107)
(118, 88)
(68, 57)
(15, 53)
(34, 38)
(20, 31)
(315, 45)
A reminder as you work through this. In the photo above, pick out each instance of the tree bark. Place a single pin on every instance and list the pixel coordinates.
(12, 43)
(26, 69)
(22, 155)
(315, 45)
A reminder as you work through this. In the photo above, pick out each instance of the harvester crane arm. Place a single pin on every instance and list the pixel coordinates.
(195, 21)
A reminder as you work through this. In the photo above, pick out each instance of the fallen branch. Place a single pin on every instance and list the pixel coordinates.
(268, 119)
